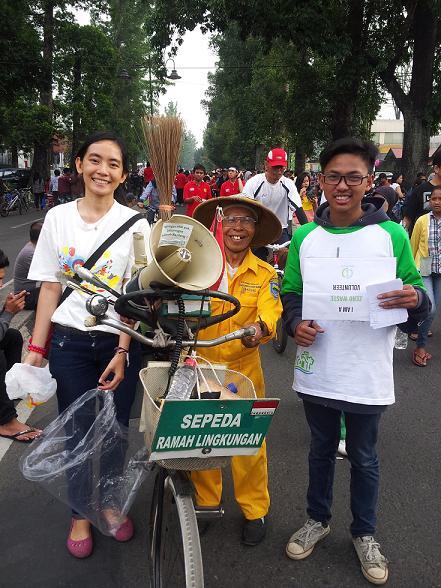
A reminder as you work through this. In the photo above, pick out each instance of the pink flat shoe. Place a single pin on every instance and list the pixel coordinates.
(82, 548)
(124, 532)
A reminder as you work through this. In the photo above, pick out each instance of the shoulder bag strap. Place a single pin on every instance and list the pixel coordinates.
(90, 262)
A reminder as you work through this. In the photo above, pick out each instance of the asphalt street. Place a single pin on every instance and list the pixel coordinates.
(14, 233)
(34, 525)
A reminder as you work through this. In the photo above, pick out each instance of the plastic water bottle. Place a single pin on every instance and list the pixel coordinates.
(401, 339)
(183, 381)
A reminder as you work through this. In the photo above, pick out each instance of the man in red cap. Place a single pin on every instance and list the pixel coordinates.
(276, 192)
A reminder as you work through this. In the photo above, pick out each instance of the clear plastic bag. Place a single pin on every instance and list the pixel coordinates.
(82, 459)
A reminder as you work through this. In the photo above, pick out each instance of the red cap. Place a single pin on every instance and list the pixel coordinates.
(277, 156)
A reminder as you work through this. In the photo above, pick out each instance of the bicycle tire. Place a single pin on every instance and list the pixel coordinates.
(174, 545)
(4, 209)
(20, 208)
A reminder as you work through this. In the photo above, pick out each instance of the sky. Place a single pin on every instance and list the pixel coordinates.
(194, 60)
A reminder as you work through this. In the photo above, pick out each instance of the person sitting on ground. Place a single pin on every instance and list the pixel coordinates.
(426, 248)
(21, 269)
(246, 223)
(11, 343)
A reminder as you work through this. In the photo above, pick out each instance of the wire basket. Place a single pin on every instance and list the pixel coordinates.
(154, 378)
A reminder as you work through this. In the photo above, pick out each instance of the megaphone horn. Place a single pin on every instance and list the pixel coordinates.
(185, 254)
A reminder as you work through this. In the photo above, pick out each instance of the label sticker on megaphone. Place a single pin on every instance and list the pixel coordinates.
(175, 234)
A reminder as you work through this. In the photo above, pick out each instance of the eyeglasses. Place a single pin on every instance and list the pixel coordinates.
(350, 180)
(246, 221)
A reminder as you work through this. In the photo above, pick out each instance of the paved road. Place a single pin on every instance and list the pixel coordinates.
(34, 525)
(14, 233)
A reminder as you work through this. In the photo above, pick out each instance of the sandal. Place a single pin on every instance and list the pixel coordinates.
(420, 359)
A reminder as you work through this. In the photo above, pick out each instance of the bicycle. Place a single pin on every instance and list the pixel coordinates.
(174, 541)
(13, 200)
(280, 341)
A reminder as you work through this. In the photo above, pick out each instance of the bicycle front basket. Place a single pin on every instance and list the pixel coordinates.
(154, 379)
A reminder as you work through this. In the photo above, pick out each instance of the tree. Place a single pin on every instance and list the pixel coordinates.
(363, 41)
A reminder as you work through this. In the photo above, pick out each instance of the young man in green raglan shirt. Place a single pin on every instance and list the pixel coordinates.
(346, 365)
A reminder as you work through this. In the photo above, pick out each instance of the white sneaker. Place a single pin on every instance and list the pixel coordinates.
(373, 562)
(342, 448)
(303, 541)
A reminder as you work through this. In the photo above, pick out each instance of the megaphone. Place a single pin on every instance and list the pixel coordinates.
(185, 255)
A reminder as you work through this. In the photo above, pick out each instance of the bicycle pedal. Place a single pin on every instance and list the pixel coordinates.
(209, 512)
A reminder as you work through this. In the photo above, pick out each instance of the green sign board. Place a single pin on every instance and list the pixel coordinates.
(211, 428)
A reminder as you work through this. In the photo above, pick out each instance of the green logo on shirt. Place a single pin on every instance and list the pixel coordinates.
(304, 362)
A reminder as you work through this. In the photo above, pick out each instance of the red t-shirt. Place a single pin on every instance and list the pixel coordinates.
(180, 181)
(192, 189)
(230, 188)
(148, 175)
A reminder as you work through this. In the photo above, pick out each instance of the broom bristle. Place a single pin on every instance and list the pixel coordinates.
(163, 137)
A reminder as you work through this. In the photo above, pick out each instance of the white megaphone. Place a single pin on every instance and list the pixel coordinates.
(185, 255)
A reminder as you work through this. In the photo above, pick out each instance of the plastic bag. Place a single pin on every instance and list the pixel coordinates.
(81, 459)
(28, 381)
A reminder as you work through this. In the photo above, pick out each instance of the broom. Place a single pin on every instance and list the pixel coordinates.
(163, 138)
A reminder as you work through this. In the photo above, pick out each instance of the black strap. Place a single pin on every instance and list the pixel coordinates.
(258, 190)
(90, 262)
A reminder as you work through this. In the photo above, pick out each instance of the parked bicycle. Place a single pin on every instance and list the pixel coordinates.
(13, 200)
(280, 341)
(174, 542)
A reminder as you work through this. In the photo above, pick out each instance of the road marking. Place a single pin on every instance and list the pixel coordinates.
(7, 284)
(28, 223)
(23, 412)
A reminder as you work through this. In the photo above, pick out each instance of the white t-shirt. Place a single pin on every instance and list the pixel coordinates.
(66, 240)
(274, 196)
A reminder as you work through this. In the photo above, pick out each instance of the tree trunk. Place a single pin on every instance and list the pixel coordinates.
(348, 76)
(76, 98)
(417, 118)
(14, 156)
(260, 156)
(300, 160)
(43, 148)
(416, 143)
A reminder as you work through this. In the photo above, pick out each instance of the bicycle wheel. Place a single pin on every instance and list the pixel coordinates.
(4, 209)
(174, 545)
(280, 341)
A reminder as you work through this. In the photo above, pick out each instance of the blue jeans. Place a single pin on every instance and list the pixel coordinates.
(77, 359)
(361, 439)
(433, 287)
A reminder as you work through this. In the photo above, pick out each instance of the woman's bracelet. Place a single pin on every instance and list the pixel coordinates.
(36, 348)
(119, 350)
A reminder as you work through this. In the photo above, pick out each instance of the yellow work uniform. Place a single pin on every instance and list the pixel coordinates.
(256, 286)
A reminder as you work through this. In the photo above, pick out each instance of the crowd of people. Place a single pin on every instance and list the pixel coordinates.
(340, 215)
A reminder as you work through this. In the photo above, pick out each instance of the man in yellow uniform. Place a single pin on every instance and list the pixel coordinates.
(246, 223)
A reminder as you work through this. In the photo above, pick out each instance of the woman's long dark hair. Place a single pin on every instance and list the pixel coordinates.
(119, 193)
(299, 180)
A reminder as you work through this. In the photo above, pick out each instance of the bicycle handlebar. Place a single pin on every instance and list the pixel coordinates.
(170, 343)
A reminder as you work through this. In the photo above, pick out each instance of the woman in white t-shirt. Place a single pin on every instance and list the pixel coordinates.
(83, 358)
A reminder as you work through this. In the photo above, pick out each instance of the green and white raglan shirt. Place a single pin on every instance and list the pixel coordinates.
(350, 361)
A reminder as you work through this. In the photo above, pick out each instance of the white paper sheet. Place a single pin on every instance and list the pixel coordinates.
(384, 317)
(334, 288)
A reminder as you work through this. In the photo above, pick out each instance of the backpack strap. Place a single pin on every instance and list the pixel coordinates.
(256, 193)
(90, 262)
